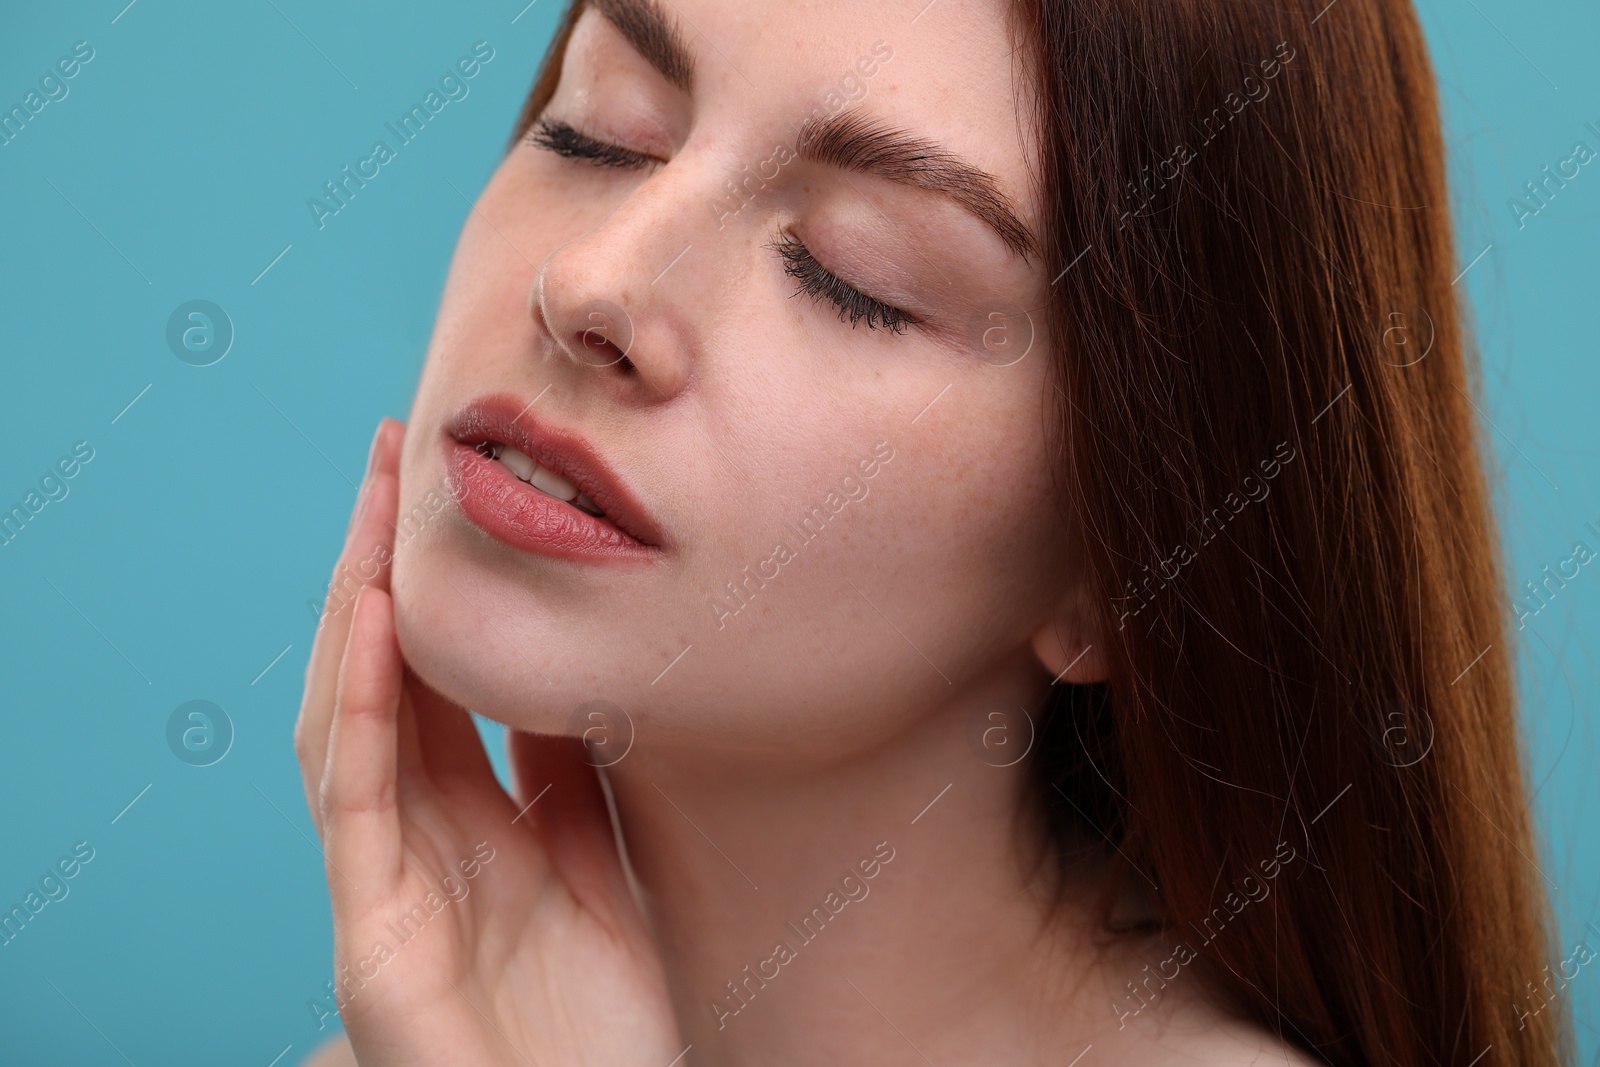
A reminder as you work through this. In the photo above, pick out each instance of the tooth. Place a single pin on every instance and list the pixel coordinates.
(520, 465)
(588, 505)
(554, 484)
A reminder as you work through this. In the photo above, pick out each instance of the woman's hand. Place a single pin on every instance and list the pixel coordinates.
(469, 928)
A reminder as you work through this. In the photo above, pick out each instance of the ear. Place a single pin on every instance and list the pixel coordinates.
(1070, 645)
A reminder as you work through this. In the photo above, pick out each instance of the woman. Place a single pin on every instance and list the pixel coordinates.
(972, 515)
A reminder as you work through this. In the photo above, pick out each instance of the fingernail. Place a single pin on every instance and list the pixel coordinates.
(372, 451)
(361, 504)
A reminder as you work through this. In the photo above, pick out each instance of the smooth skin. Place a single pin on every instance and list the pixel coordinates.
(404, 792)
(547, 958)
(834, 712)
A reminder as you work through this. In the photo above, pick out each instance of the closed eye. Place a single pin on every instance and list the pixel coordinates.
(852, 304)
(815, 280)
(566, 141)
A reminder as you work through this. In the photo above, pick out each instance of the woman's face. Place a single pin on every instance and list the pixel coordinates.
(819, 522)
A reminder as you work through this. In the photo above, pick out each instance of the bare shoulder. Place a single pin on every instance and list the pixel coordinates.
(1187, 1028)
(335, 1052)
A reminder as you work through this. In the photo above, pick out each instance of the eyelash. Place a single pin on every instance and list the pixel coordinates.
(817, 281)
(814, 279)
(567, 142)
(820, 282)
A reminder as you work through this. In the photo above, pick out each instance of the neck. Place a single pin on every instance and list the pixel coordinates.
(816, 910)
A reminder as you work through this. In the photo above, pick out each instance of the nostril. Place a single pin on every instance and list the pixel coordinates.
(601, 333)
(597, 350)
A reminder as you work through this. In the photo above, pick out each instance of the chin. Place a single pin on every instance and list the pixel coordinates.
(451, 645)
(511, 643)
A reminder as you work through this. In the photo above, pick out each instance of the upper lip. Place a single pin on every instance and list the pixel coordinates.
(505, 417)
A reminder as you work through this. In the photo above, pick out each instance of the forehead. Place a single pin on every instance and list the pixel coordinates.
(949, 71)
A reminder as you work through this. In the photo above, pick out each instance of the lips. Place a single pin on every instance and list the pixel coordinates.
(541, 488)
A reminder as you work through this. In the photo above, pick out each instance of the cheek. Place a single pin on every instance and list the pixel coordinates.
(950, 560)
(872, 614)
(484, 329)
(430, 627)
(488, 276)
(510, 230)
(979, 521)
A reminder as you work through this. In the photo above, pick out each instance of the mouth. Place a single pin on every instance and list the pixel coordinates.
(543, 479)
(540, 488)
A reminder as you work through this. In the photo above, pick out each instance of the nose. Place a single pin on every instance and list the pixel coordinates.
(617, 299)
(596, 333)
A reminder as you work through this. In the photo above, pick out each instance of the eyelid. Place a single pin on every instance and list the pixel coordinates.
(819, 282)
(799, 263)
(569, 142)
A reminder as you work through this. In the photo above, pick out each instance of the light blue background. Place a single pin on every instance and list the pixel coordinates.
(182, 560)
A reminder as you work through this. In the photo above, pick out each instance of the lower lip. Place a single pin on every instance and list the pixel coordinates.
(510, 510)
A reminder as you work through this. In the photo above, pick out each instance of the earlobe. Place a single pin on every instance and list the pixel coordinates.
(1069, 655)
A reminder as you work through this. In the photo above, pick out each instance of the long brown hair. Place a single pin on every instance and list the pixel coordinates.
(1289, 520)
(1245, 214)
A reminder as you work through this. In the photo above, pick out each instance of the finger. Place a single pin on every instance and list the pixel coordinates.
(559, 794)
(365, 552)
(368, 543)
(411, 768)
(451, 747)
(360, 562)
(361, 816)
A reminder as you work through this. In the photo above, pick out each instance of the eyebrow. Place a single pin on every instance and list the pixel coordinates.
(854, 141)
(850, 140)
(654, 36)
